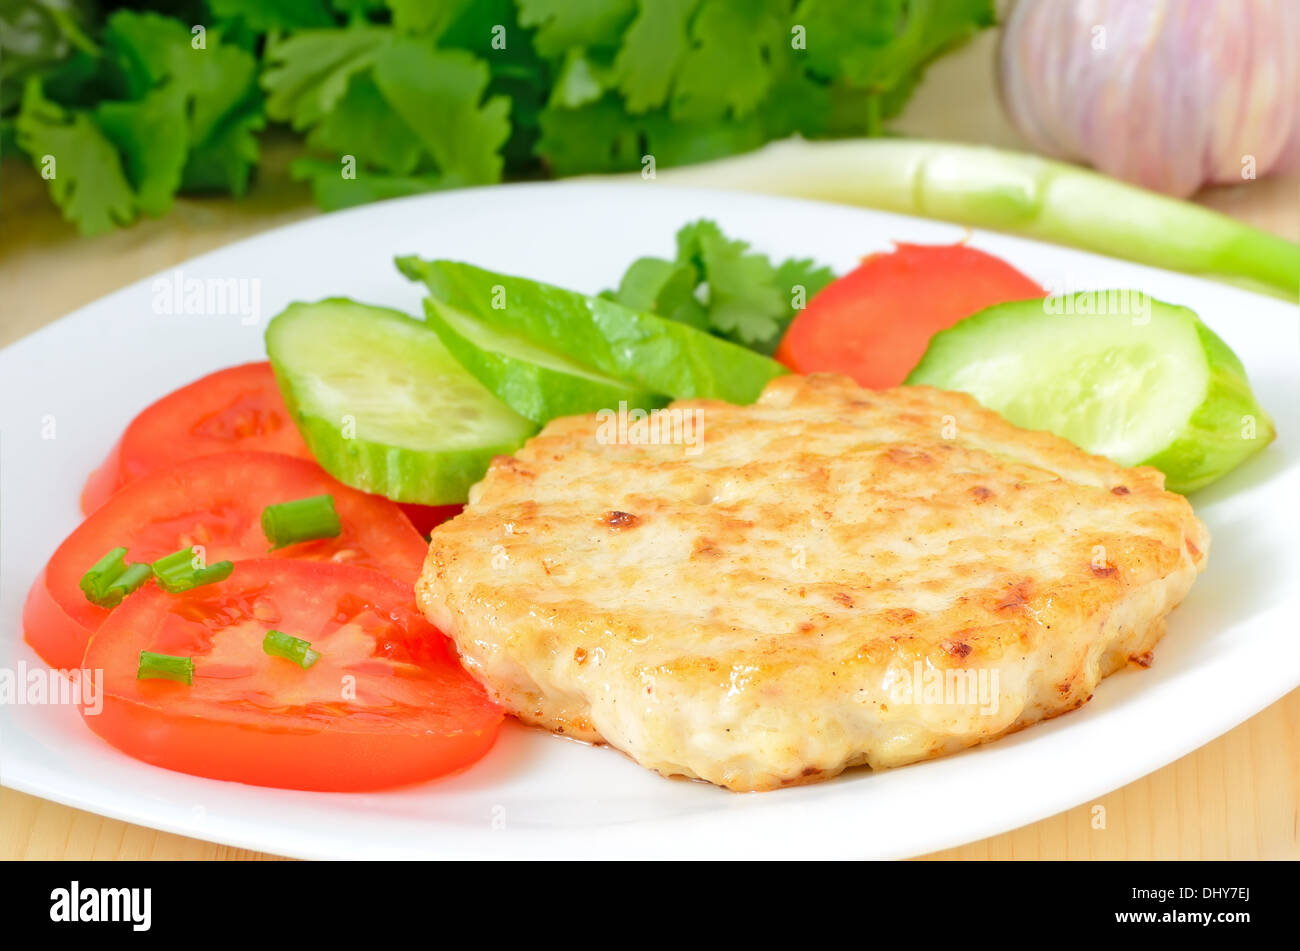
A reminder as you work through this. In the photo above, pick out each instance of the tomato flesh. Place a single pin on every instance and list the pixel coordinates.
(386, 704)
(874, 323)
(238, 408)
(58, 637)
(426, 518)
(215, 502)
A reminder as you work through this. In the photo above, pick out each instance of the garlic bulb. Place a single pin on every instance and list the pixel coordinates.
(1170, 94)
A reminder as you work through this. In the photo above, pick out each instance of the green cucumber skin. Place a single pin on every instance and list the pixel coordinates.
(1211, 442)
(658, 355)
(535, 392)
(397, 473)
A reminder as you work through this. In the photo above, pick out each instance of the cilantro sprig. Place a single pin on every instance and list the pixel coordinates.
(174, 109)
(718, 284)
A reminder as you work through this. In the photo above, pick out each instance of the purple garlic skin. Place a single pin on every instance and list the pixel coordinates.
(1168, 94)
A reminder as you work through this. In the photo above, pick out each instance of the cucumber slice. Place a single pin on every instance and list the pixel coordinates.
(641, 349)
(535, 383)
(1141, 387)
(382, 404)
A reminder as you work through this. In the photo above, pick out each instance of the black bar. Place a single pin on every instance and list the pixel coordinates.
(563, 901)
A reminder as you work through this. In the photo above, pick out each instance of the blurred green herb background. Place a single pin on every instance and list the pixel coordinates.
(122, 107)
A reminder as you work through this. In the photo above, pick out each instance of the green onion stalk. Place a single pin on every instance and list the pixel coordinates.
(154, 666)
(279, 644)
(178, 572)
(111, 579)
(288, 523)
(1019, 193)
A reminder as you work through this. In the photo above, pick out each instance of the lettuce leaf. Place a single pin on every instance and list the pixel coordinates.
(632, 346)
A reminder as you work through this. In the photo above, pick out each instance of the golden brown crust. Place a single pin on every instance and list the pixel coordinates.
(746, 613)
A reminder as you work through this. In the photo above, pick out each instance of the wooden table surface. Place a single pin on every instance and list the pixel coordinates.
(1238, 797)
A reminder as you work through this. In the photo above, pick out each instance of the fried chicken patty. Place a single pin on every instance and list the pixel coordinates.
(830, 577)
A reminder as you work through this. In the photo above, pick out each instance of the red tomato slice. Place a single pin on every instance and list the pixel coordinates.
(59, 638)
(874, 323)
(216, 502)
(386, 704)
(426, 518)
(239, 408)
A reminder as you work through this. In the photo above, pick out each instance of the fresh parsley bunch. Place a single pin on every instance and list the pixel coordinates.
(122, 110)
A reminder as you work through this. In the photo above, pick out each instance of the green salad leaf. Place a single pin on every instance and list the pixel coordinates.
(536, 383)
(596, 334)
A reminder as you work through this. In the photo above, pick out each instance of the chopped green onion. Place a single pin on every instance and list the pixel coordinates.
(278, 644)
(135, 575)
(111, 579)
(176, 572)
(300, 521)
(165, 667)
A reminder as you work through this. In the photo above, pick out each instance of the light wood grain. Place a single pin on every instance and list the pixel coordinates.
(1238, 797)
(32, 828)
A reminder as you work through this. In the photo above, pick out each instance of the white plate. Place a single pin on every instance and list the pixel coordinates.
(1230, 651)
